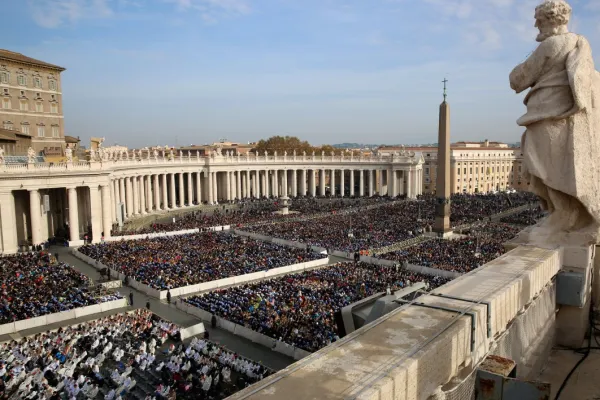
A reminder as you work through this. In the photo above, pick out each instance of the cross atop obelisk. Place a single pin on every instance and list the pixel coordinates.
(445, 94)
(442, 191)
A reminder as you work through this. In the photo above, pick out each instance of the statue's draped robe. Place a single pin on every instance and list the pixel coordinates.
(561, 146)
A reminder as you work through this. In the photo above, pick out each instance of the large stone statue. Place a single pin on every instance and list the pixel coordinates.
(561, 144)
(31, 156)
(69, 154)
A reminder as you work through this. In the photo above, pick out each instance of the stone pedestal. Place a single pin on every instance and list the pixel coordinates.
(578, 257)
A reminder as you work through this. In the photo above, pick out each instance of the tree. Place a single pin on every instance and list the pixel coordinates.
(280, 144)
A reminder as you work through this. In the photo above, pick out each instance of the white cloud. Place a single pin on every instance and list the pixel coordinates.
(54, 13)
(211, 10)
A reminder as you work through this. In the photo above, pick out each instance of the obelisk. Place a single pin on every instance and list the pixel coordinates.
(442, 193)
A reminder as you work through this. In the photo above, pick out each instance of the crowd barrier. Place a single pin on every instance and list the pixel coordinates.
(166, 234)
(43, 320)
(241, 331)
(411, 267)
(205, 286)
(241, 279)
(282, 242)
(191, 331)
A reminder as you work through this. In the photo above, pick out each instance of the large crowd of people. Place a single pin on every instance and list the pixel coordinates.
(176, 261)
(366, 228)
(36, 284)
(483, 244)
(252, 212)
(299, 309)
(133, 353)
(526, 217)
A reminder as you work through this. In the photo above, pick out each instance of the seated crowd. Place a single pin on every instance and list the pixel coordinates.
(254, 211)
(367, 228)
(299, 309)
(460, 255)
(176, 261)
(526, 217)
(109, 357)
(35, 284)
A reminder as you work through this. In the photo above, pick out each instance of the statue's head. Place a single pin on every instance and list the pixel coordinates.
(551, 18)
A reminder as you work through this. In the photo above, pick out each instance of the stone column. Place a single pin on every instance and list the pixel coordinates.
(332, 182)
(247, 185)
(294, 183)
(165, 192)
(381, 191)
(181, 191)
(128, 196)
(391, 182)
(143, 194)
(256, 184)
(302, 182)
(409, 186)
(136, 195)
(322, 182)
(156, 184)
(238, 184)
(276, 183)
(123, 196)
(190, 188)
(313, 183)
(173, 196)
(266, 191)
(215, 187)
(9, 221)
(228, 185)
(96, 213)
(284, 183)
(342, 183)
(361, 189)
(73, 214)
(106, 215)
(112, 194)
(352, 183)
(36, 217)
(199, 187)
(211, 195)
(149, 195)
(371, 179)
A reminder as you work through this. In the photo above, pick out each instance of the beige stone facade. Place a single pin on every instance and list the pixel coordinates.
(475, 167)
(31, 100)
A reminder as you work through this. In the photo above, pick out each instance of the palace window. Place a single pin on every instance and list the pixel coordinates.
(37, 82)
(39, 106)
(41, 131)
(54, 108)
(52, 84)
(7, 125)
(6, 103)
(24, 105)
(3, 77)
(22, 80)
(55, 131)
(25, 129)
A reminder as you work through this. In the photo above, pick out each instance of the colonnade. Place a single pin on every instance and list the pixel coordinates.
(146, 193)
(87, 199)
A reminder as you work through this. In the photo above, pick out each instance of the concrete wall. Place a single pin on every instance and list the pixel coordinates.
(415, 351)
(61, 316)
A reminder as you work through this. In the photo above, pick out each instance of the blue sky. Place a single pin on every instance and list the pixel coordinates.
(144, 72)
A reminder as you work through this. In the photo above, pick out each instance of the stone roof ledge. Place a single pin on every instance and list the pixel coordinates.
(413, 351)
